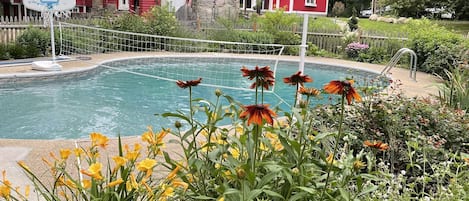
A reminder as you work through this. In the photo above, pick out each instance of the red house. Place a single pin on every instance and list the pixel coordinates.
(314, 7)
(16, 8)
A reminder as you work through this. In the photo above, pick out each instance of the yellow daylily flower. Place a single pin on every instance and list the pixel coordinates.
(179, 183)
(98, 139)
(78, 152)
(119, 160)
(86, 183)
(132, 155)
(146, 165)
(65, 153)
(168, 192)
(173, 173)
(115, 183)
(94, 171)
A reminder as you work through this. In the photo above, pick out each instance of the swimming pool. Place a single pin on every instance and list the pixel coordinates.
(115, 102)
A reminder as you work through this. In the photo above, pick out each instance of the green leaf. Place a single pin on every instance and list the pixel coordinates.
(308, 190)
(254, 193)
(203, 197)
(273, 194)
(344, 194)
(298, 196)
(368, 190)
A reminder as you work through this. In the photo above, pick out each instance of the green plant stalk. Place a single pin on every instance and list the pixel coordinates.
(256, 90)
(194, 137)
(302, 143)
(296, 96)
(257, 130)
(339, 135)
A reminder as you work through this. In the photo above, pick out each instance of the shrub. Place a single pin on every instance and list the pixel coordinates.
(353, 23)
(373, 55)
(4, 54)
(17, 51)
(454, 92)
(242, 36)
(35, 42)
(338, 8)
(436, 48)
(128, 22)
(160, 21)
(353, 50)
(314, 50)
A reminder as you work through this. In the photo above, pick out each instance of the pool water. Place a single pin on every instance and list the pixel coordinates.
(117, 102)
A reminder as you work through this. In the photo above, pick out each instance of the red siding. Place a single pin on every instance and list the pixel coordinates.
(110, 2)
(145, 5)
(285, 4)
(80, 2)
(299, 5)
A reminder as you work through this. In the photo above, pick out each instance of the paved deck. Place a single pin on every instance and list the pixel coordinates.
(31, 151)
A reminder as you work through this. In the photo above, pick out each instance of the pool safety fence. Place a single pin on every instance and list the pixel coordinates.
(80, 40)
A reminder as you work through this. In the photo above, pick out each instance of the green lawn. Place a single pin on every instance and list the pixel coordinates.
(323, 25)
(461, 27)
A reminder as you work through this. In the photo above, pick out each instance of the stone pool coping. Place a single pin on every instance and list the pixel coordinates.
(32, 151)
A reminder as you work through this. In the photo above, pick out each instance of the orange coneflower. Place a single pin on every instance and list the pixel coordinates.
(343, 88)
(189, 83)
(377, 145)
(260, 73)
(264, 76)
(297, 78)
(257, 113)
(309, 91)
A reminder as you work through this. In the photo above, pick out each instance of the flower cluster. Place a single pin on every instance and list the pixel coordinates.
(355, 48)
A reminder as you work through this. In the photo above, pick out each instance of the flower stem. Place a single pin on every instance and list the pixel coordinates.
(339, 136)
(296, 95)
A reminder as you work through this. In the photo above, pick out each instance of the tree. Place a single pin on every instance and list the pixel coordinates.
(459, 7)
(351, 6)
(406, 8)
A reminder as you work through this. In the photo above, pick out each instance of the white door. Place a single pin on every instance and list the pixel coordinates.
(123, 5)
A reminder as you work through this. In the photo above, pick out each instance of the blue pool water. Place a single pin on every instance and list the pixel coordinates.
(116, 102)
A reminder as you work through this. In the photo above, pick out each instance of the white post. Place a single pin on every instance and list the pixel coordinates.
(303, 45)
(52, 37)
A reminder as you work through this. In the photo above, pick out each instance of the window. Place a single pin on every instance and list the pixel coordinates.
(311, 3)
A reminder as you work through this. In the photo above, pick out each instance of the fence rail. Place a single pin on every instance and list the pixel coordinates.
(331, 42)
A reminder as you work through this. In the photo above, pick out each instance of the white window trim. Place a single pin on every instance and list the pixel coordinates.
(311, 4)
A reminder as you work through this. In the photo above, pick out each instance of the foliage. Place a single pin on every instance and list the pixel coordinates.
(160, 21)
(455, 91)
(314, 50)
(338, 9)
(128, 22)
(353, 23)
(129, 177)
(436, 48)
(374, 55)
(353, 50)
(157, 21)
(273, 22)
(4, 54)
(422, 137)
(242, 36)
(387, 147)
(17, 51)
(417, 8)
(406, 8)
(35, 41)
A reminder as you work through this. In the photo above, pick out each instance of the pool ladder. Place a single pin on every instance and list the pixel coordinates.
(397, 57)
